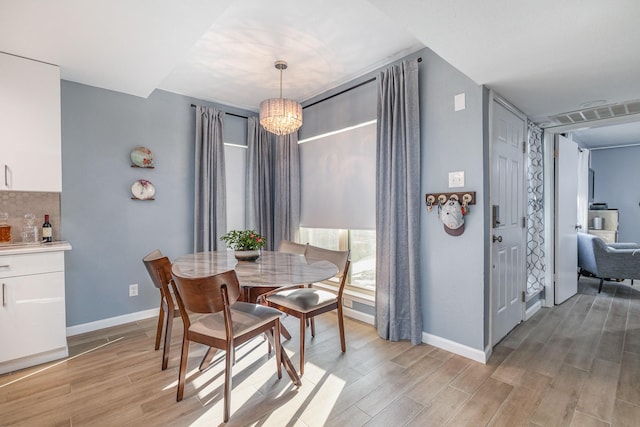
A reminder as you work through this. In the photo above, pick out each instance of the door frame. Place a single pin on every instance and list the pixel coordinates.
(494, 97)
(550, 188)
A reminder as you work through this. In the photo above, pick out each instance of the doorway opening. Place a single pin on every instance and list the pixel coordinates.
(550, 188)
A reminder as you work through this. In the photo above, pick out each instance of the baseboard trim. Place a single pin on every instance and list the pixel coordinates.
(146, 314)
(532, 310)
(112, 321)
(32, 360)
(358, 315)
(457, 348)
(488, 350)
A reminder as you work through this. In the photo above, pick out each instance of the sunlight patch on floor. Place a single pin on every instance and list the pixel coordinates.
(60, 362)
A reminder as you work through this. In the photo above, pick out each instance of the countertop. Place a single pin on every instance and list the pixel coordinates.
(27, 248)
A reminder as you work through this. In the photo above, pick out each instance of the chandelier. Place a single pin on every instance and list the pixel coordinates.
(279, 115)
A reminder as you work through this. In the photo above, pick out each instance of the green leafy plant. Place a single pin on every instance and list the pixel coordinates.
(244, 240)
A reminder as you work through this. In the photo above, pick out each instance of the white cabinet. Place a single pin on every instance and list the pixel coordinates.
(30, 125)
(604, 224)
(32, 315)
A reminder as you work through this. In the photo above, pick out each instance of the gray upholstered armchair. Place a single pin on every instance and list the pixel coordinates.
(608, 261)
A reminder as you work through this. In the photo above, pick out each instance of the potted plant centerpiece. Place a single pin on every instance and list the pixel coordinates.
(245, 243)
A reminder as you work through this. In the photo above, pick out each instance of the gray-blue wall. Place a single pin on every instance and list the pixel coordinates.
(616, 183)
(453, 268)
(110, 232)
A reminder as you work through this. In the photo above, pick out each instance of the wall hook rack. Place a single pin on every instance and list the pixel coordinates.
(463, 196)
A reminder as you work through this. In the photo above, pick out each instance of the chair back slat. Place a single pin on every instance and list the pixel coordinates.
(204, 294)
(287, 246)
(159, 269)
(338, 258)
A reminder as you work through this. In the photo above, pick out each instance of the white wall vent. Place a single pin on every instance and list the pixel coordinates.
(595, 113)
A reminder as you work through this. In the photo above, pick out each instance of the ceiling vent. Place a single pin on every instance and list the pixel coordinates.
(595, 113)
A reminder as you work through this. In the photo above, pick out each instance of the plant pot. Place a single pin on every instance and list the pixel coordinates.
(247, 255)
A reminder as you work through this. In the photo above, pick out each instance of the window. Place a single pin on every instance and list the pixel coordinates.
(337, 180)
(362, 243)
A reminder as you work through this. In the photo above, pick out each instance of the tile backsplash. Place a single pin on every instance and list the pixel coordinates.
(19, 203)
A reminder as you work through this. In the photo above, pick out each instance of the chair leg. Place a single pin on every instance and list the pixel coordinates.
(167, 340)
(303, 322)
(183, 367)
(230, 361)
(343, 344)
(277, 347)
(600, 288)
(159, 328)
(207, 358)
(313, 326)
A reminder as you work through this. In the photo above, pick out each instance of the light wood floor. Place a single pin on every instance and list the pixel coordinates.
(577, 364)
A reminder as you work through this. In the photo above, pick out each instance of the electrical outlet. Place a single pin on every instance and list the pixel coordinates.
(133, 290)
(347, 303)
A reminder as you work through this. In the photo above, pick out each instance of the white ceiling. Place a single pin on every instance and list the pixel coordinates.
(620, 135)
(546, 57)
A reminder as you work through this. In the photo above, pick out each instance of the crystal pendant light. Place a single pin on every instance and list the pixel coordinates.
(279, 115)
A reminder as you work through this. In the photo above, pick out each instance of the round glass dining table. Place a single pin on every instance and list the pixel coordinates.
(270, 270)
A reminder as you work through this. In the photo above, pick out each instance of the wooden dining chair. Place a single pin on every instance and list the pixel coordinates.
(307, 302)
(290, 247)
(285, 246)
(159, 268)
(228, 323)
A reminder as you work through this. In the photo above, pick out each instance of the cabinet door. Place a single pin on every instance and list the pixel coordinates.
(30, 126)
(32, 315)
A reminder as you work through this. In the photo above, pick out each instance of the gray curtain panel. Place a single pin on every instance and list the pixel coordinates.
(259, 198)
(286, 195)
(398, 308)
(210, 207)
(536, 269)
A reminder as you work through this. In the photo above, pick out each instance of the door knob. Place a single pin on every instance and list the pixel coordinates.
(497, 239)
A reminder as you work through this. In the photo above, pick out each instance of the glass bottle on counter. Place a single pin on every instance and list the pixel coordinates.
(47, 230)
(5, 229)
(29, 229)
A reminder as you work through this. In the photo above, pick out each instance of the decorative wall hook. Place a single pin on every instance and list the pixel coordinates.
(466, 197)
(430, 201)
(451, 211)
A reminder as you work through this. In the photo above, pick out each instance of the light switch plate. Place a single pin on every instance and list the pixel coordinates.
(456, 179)
(459, 102)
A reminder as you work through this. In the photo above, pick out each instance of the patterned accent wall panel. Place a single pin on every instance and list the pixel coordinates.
(535, 211)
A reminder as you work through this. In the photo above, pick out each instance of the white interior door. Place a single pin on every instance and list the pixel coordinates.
(566, 259)
(507, 196)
